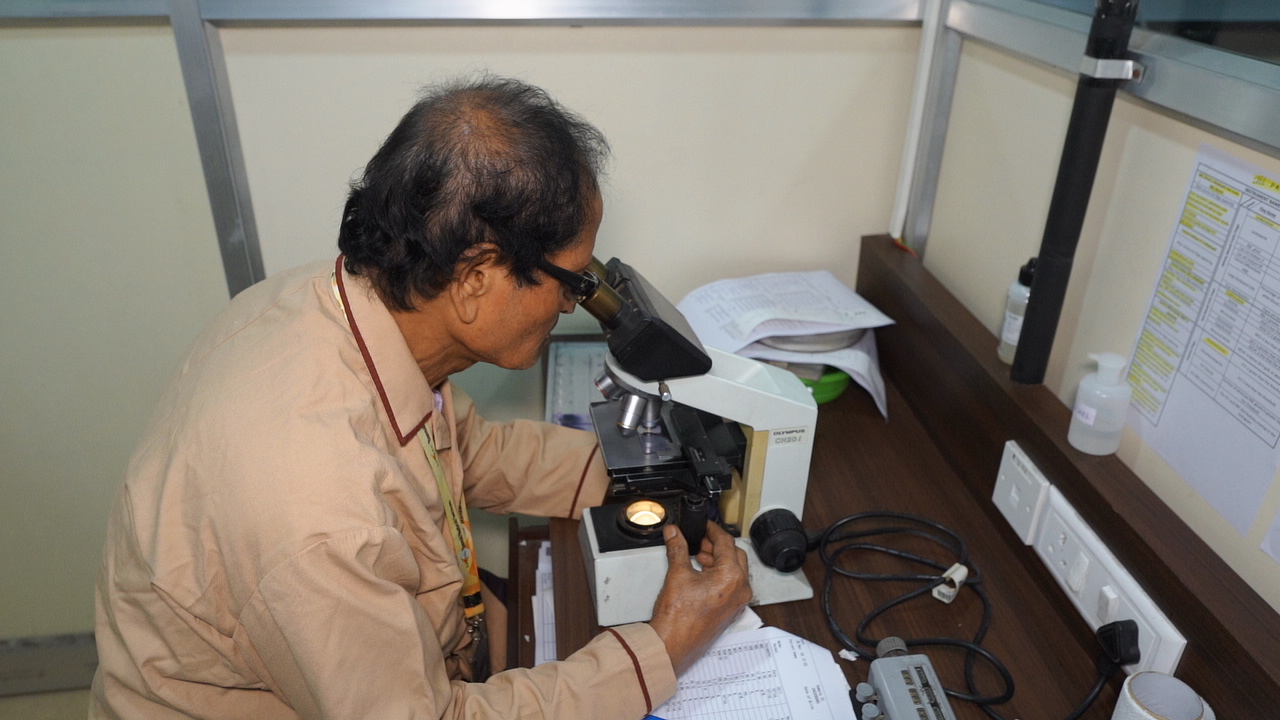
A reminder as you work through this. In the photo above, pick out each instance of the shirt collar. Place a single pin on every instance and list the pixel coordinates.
(402, 387)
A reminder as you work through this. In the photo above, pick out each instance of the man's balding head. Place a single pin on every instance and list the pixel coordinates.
(493, 162)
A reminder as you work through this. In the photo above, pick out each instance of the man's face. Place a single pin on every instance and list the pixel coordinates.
(520, 318)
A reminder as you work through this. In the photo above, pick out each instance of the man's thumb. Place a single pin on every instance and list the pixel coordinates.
(677, 550)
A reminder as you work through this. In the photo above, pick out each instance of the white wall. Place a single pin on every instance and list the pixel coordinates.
(1003, 147)
(737, 151)
(111, 267)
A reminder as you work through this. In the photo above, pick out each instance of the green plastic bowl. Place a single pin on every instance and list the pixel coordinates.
(829, 387)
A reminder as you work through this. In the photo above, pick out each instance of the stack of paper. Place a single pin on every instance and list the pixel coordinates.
(735, 315)
(544, 609)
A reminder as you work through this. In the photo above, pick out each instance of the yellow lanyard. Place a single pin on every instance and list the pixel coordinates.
(460, 524)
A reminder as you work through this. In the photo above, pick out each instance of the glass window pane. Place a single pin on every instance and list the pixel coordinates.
(1246, 27)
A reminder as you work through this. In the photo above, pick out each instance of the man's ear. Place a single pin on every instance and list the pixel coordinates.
(475, 278)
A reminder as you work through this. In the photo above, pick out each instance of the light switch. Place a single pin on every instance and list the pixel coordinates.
(1108, 604)
(1079, 569)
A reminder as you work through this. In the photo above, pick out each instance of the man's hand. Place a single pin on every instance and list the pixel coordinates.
(695, 607)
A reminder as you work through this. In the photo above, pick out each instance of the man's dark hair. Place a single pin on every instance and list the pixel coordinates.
(492, 160)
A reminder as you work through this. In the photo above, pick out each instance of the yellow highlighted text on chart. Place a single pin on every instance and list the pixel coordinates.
(1217, 346)
(1266, 182)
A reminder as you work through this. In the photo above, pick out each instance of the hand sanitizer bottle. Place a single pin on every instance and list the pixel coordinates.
(1102, 404)
(1015, 309)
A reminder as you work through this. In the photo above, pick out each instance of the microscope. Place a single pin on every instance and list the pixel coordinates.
(689, 434)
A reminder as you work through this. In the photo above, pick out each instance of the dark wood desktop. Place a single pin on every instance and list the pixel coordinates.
(862, 463)
(931, 458)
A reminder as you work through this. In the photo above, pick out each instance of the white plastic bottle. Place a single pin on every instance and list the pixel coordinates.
(1015, 308)
(1102, 405)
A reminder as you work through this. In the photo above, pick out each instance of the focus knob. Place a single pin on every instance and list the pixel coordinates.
(779, 540)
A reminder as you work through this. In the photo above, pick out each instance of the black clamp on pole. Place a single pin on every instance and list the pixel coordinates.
(1105, 67)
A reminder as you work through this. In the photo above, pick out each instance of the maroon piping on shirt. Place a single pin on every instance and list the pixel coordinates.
(582, 480)
(648, 704)
(368, 361)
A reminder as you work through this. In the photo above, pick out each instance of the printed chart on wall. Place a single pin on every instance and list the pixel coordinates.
(1206, 368)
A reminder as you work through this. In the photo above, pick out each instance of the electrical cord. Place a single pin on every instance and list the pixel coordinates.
(1100, 683)
(848, 536)
(1119, 642)
(837, 541)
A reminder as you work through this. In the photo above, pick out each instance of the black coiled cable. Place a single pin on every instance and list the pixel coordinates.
(843, 537)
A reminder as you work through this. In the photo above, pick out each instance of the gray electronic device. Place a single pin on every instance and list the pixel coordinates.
(902, 687)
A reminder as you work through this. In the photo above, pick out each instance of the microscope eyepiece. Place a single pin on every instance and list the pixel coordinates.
(647, 335)
(603, 302)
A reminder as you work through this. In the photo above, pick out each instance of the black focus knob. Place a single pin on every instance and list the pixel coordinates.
(693, 521)
(779, 540)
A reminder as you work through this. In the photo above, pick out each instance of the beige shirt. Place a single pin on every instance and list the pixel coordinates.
(279, 547)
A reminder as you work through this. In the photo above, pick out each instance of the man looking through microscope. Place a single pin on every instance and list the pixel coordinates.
(291, 537)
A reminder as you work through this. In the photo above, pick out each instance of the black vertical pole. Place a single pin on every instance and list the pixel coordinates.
(1108, 40)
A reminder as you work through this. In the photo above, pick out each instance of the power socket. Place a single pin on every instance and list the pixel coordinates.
(1100, 588)
(1021, 492)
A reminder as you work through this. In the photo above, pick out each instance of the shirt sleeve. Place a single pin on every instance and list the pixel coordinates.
(337, 633)
(527, 466)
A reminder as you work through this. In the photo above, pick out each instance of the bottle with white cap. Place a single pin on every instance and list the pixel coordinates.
(1102, 405)
(1015, 309)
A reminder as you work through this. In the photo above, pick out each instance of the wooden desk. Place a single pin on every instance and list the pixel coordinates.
(863, 463)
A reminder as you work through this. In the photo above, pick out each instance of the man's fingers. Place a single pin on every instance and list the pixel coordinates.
(715, 531)
(722, 545)
(719, 549)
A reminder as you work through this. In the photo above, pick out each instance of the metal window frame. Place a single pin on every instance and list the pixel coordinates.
(1228, 94)
(577, 12)
(204, 72)
(939, 63)
(63, 10)
(1238, 95)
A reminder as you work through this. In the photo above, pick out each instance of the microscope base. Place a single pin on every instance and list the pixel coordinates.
(625, 583)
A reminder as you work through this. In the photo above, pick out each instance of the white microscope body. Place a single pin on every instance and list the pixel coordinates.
(778, 414)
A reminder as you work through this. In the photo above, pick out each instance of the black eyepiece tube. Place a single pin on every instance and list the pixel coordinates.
(1108, 40)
